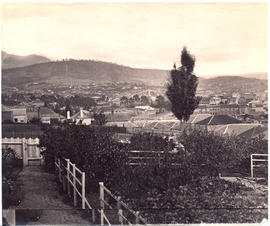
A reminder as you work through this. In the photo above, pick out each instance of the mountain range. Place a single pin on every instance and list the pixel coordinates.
(12, 61)
(18, 71)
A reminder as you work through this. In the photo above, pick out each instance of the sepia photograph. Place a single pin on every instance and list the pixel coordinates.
(125, 113)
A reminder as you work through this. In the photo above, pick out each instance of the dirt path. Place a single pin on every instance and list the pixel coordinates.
(42, 204)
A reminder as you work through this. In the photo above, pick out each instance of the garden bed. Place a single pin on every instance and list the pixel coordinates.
(207, 200)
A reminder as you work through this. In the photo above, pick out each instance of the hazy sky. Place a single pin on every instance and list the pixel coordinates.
(226, 38)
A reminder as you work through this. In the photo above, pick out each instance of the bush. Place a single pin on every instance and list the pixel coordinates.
(150, 142)
(9, 161)
(97, 154)
(10, 193)
(209, 154)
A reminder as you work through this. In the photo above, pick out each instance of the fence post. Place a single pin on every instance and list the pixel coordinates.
(83, 190)
(93, 216)
(251, 165)
(63, 180)
(24, 145)
(120, 211)
(101, 194)
(101, 217)
(68, 169)
(59, 169)
(74, 185)
(137, 217)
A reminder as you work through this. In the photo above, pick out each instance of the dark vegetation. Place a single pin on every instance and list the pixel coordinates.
(181, 90)
(11, 166)
(193, 183)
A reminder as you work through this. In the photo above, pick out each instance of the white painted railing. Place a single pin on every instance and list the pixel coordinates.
(121, 207)
(259, 158)
(71, 176)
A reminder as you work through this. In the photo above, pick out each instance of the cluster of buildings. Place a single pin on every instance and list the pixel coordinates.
(21, 114)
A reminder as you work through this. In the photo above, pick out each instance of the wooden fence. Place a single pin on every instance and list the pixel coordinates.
(258, 161)
(26, 149)
(72, 178)
(122, 208)
(141, 157)
(73, 183)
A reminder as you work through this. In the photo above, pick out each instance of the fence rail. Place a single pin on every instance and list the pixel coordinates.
(67, 175)
(121, 206)
(141, 157)
(259, 158)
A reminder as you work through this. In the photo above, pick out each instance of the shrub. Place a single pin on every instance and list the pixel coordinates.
(97, 154)
(9, 161)
(208, 153)
(10, 193)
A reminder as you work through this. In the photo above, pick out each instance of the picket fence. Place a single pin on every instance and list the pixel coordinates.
(26, 149)
(72, 177)
(258, 161)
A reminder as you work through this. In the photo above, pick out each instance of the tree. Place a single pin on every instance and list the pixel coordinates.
(124, 100)
(35, 120)
(99, 119)
(160, 101)
(144, 100)
(181, 89)
(136, 98)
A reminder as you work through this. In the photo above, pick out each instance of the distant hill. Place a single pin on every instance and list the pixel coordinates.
(72, 71)
(233, 83)
(257, 75)
(97, 71)
(12, 61)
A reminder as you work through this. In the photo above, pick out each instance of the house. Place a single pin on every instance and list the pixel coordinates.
(216, 100)
(145, 108)
(82, 117)
(7, 114)
(47, 115)
(19, 114)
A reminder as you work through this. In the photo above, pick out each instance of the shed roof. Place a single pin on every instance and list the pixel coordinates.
(219, 120)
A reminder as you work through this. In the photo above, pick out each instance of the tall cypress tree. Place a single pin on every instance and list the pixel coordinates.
(181, 89)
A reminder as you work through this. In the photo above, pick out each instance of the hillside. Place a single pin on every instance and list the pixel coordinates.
(12, 61)
(96, 71)
(233, 84)
(74, 71)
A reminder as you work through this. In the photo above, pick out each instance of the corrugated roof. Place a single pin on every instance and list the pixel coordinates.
(4, 108)
(219, 120)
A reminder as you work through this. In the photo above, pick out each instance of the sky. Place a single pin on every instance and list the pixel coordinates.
(225, 38)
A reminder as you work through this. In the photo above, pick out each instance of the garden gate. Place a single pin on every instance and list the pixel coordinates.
(25, 149)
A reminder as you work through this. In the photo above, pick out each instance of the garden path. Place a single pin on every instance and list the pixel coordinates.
(43, 202)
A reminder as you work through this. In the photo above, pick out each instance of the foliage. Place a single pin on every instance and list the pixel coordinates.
(124, 100)
(149, 141)
(144, 100)
(95, 153)
(9, 161)
(181, 89)
(10, 164)
(35, 120)
(209, 154)
(208, 200)
(99, 119)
